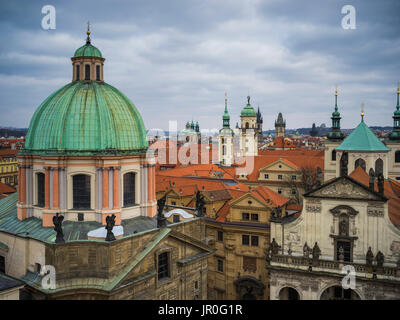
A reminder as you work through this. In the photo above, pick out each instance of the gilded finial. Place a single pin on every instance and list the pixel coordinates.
(362, 111)
(88, 33)
(336, 90)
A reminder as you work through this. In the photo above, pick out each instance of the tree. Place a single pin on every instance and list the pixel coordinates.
(309, 178)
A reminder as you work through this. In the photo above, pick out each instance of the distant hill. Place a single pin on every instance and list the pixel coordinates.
(324, 131)
(12, 132)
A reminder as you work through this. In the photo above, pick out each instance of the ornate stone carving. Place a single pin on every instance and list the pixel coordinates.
(395, 247)
(375, 210)
(345, 189)
(313, 206)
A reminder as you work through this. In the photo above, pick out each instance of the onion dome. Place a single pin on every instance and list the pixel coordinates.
(248, 110)
(86, 117)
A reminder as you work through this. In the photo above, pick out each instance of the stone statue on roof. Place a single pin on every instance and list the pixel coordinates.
(161, 220)
(200, 202)
(57, 221)
(110, 222)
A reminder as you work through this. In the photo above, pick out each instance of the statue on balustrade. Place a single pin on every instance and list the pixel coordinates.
(369, 257)
(316, 251)
(380, 259)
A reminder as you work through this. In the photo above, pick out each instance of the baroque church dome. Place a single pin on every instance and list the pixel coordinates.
(86, 116)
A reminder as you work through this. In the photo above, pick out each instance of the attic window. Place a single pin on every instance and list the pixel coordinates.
(249, 202)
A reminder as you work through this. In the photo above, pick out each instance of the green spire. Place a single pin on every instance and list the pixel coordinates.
(395, 134)
(226, 117)
(335, 133)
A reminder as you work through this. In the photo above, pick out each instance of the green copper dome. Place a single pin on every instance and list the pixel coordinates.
(87, 50)
(248, 110)
(86, 117)
(362, 139)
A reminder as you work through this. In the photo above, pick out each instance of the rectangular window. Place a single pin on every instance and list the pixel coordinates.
(245, 240)
(293, 191)
(80, 217)
(97, 73)
(266, 176)
(163, 266)
(346, 250)
(245, 216)
(2, 264)
(254, 217)
(38, 267)
(280, 177)
(78, 72)
(173, 203)
(249, 264)
(129, 189)
(220, 236)
(87, 72)
(294, 178)
(40, 189)
(254, 241)
(81, 191)
(220, 265)
(176, 218)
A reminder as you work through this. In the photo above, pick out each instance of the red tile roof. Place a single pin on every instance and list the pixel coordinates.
(5, 189)
(391, 191)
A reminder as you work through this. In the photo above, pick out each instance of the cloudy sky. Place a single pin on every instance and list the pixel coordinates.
(176, 58)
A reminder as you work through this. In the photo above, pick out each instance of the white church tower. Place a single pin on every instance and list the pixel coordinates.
(226, 139)
(248, 131)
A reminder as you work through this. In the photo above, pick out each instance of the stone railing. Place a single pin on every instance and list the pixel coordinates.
(335, 265)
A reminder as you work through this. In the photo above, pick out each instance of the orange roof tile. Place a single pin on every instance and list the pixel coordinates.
(5, 189)
(391, 188)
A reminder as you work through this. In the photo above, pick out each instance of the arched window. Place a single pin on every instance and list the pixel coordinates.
(333, 157)
(87, 72)
(40, 189)
(223, 150)
(129, 189)
(378, 167)
(359, 162)
(397, 156)
(98, 73)
(247, 125)
(81, 191)
(78, 69)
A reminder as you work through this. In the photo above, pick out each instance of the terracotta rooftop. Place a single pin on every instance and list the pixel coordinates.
(391, 190)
